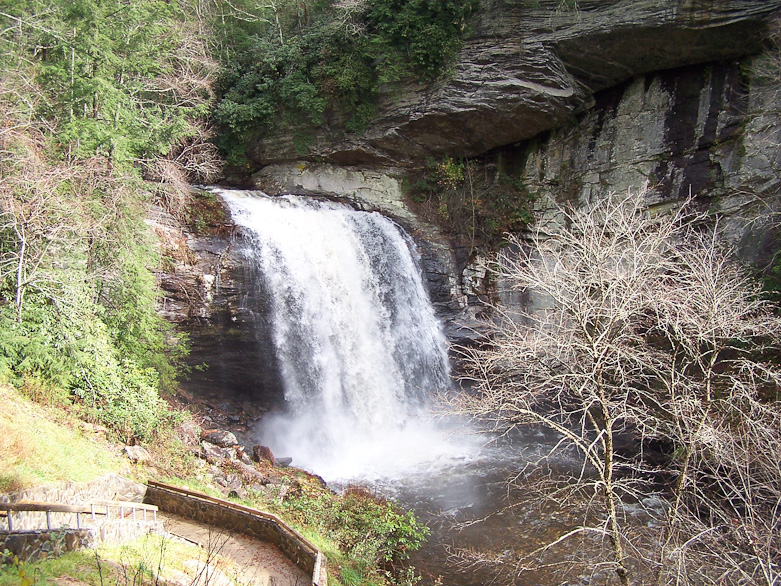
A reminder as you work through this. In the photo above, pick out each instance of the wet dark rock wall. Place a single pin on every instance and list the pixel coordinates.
(209, 296)
(709, 132)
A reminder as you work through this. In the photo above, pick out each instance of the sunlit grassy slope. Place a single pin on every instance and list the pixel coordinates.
(37, 446)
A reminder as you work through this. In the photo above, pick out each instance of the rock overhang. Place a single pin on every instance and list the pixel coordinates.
(523, 71)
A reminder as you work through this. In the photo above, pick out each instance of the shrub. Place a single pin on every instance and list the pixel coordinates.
(371, 531)
(476, 207)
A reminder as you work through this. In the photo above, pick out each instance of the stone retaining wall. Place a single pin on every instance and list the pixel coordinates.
(34, 545)
(239, 519)
(29, 541)
(119, 531)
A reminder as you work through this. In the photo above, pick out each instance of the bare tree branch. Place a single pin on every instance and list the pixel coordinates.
(643, 327)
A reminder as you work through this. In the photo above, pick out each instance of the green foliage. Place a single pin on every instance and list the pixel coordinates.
(79, 297)
(206, 214)
(64, 340)
(108, 72)
(150, 559)
(17, 569)
(89, 88)
(289, 63)
(450, 173)
(371, 531)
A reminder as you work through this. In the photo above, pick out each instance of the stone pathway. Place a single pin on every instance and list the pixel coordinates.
(256, 563)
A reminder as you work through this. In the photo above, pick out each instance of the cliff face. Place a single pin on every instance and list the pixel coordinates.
(711, 132)
(208, 293)
(614, 96)
(533, 65)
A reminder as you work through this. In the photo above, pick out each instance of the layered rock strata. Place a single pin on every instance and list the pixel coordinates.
(529, 66)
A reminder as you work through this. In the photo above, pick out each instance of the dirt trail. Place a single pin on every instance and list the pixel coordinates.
(254, 563)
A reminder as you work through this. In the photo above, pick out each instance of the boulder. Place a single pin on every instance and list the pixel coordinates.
(283, 462)
(136, 454)
(233, 481)
(212, 454)
(219, 437)
(242, 456)
(252, 474)
(238, 493)
(262, 454)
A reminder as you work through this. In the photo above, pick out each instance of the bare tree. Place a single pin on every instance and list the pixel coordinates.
(46, 217)
(718, 389)
(186, 82)
(640, 328)
(28, 200)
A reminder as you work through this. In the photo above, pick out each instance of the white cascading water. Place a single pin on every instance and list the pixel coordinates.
(359, 349)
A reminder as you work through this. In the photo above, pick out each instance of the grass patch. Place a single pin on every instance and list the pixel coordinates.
(76, 564)
(366, 538)
(36, 448)
(198, 485)
(139, 562)
(154, 556)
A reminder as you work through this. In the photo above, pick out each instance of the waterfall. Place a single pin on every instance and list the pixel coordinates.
(358, 347)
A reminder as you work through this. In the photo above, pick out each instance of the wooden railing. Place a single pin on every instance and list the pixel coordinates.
(117, 509)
